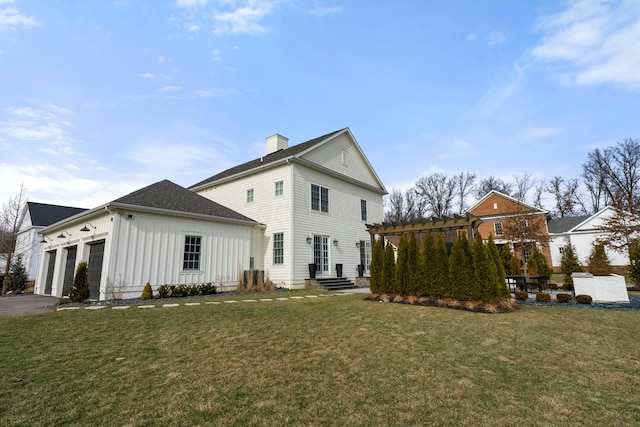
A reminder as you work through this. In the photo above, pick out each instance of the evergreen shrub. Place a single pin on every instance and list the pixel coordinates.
(16, 280)
(80, 288)
(598, 263)
(147, 292)
(522, 296)
(564, 298)
(584, 299)
(540, 297)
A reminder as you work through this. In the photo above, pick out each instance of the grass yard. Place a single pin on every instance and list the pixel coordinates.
(323, 361)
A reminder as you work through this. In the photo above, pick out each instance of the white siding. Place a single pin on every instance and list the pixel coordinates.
(342, 223)
(268, 209)
(330, 155)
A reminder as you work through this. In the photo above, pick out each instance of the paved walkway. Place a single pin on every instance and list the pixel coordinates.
(15, 305)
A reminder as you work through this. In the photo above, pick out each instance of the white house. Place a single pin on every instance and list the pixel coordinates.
(315, 199)
(161, 234)
(582, 232)
(35, 217)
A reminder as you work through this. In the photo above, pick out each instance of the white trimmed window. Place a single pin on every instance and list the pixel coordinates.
(191, 260)
(278, 248)
(279, 188)
(250, 195)
(319, 198)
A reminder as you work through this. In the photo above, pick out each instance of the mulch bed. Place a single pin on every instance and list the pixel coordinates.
(504, 306)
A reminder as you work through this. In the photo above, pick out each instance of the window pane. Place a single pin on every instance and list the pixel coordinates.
(315, 197)
(250, 195)
(324, 199)
(278, 248)
(363, 210)
(279, 188)
(191, 253)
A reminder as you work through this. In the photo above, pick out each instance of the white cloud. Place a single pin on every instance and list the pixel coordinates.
(170, 88)
(325, 11)
(46, 123)
(593, 42)
(163, 59)
(472, 37)
(226, 16)
(11, 18)
(500, 91)
(534, 133)
(148, 76)
(495, 38)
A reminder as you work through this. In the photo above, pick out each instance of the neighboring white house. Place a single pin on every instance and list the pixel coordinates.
(581, 232)
(35, 217)
(161, 234)
(315, 199)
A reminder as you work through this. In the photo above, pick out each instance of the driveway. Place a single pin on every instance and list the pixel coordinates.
(16, 305)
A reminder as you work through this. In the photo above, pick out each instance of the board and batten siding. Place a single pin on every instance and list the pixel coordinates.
(342, 223)
(100, 227)
(150, 248)
(268, 209)
(330, 155)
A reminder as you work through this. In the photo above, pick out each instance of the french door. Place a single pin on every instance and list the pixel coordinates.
(321, 254)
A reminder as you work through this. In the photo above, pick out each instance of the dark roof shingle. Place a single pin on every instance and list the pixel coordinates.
(562, 225)
(169, 196)
(269, 158)
(43, 215)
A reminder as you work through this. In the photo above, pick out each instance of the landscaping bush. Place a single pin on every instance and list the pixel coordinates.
(584, 299)
(177, 291)
(540, 297)
(522, 296)
(80, 289)
(147, 292)
(569, 264)
(563, 298)
(16, 281)
(598, 263)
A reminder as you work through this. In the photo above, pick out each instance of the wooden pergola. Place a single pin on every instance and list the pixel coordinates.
(466, 222)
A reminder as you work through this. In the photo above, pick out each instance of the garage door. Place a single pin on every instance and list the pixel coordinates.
(96, 255)
(50, 267)
(69, 270)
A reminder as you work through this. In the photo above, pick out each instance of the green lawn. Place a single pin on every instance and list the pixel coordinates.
(324, 361)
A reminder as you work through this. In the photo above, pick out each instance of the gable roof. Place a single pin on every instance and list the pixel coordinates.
(166, 195)
(293, 152)
(43, 214)
(564, 225)
(507, 197)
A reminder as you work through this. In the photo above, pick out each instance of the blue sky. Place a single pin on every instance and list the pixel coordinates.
(99, 98)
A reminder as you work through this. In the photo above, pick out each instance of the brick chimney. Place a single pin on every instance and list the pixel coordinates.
(277, 142)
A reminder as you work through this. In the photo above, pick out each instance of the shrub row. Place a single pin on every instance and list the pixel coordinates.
(561, 298)
(176, 291)
(471, 273)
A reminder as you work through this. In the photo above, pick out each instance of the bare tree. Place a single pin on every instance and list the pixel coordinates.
(616, 172)
(566, 197)
(465, 183)
(437, 191)
(523, 183)
(394, 206)
(492, 183)
(620, 231)
(9, 225)
(538, 191)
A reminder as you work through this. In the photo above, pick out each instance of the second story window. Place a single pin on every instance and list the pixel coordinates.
(363, 210)
(319, 198)
(497, 227)
(250, 195)
(279, 188)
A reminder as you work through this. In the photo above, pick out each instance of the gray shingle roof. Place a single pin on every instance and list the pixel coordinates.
(169, 196)
(562, 225)
(43, 215)
(269, 158)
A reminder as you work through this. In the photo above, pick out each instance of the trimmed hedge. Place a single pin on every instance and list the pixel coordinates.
(584, 299)
(176, 291)
(564, 298)
(522, 296)
(540, 297)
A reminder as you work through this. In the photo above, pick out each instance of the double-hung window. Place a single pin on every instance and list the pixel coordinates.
(192, 246)
(279, 188)
(497, 227)
(278, 248)
(319, 198)
(363, 210)
(250, 195)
